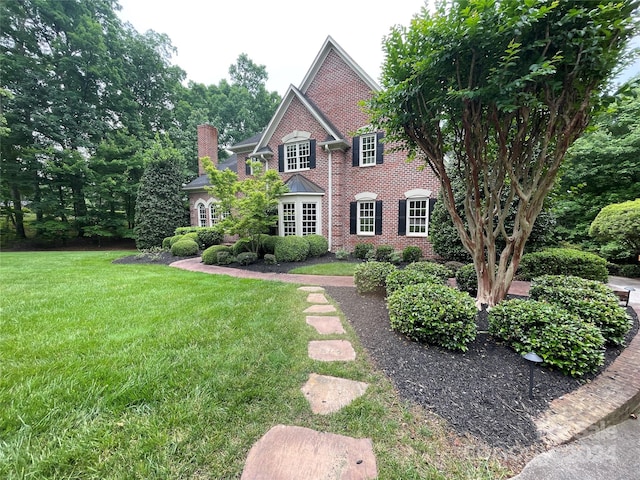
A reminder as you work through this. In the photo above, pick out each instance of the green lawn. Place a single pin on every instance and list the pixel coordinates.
(144, 371)
(333, 268)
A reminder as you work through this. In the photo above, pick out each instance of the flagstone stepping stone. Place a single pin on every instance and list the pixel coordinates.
(320, 309)
(317, 298)
(298, 453)
(329, 394)
(326, 325)
(311, 289)
(331, 350)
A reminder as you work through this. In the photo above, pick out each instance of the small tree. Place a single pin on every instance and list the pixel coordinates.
(497, 91)
(160, 204)
(619, 223)
(252, 202)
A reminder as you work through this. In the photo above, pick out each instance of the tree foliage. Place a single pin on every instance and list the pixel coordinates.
(252, 202)
(619, 223)
(161, 204)
(602, 167)
(497, 91)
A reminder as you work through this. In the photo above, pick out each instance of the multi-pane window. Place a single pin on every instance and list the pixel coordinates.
(297, 156)
(202, 215)
(309, 218)
(367, 150)
(289, 218)
(366, 218)
(417, 216)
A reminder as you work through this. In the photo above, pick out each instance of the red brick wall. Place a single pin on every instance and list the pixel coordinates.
(207, 145)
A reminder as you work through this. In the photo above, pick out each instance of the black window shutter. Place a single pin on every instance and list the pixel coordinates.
(379, 148)
(378, 219)
(281, 158)
(402, 217)
(312, 154)
(355, 151)
(353, 218)
(432, 203)
(247, 167)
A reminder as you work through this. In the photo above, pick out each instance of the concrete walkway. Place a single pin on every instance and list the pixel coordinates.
(594, 417)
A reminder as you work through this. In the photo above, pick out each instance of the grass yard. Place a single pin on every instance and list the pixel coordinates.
(115, 371)
(334, 268)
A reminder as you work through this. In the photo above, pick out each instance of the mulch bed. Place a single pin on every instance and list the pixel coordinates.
(483, 392)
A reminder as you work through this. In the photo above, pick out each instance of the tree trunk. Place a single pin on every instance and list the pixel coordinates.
(18, 214)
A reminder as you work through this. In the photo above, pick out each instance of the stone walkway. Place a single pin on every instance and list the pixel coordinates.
(291, 452)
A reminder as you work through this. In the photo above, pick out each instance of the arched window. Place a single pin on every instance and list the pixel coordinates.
(202, 215)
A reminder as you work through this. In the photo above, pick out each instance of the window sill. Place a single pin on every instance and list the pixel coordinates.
(299, 170)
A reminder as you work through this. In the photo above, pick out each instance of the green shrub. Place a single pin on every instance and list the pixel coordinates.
(318, 245)
(247, 258)
(184, 248)
(629, 271)
(241, 246)
(431, 268)
(467, 279)
(225, 258)
(411, 254)
(270, 259)
(401, 278)
(591, 301)
(371, 276)
(383, 253)
(434, 314)
(268, 243)
(175, 239)
(342, 254)
(562, 339)
(395, 258)
(185, 230)
(209, 236)
(453, 266)
(210, 255)
(362, 249)
(166, 243)
(563, 261)
(291, 249)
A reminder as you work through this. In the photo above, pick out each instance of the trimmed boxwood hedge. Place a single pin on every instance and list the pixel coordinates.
(434, 314)
(411, 253)
(210, 255)
(318, 245)
(401, 278)
(590, 300)
(361, 250)
(372, 276)
(561, 338)
(563, 261)
(184, 248)
(291, 249)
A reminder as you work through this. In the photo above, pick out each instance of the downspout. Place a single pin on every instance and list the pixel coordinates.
(330, 206)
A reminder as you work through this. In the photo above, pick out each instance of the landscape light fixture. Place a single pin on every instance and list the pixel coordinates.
(532, 358)
(628, 289)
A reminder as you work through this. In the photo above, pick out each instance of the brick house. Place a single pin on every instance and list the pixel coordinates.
(343, 183)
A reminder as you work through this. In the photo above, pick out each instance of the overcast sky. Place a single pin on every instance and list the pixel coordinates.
(282, 35)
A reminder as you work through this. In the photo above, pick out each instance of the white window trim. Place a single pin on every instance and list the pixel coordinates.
(375, 150)
(286, 159)
(417, 194)
(198, 205)
(299, 199)
(358, 217)
(366, 196)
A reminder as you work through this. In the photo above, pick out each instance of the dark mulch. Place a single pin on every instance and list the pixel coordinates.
(483, 392)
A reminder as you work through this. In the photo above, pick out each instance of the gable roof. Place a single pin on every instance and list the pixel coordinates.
(202, 181)
(331, 44)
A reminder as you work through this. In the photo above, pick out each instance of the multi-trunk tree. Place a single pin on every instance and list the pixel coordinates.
(497, 91)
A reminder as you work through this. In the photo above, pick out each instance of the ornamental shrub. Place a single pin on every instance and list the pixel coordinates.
(431, 268)
(318, 245)
(209, 236)
(210, 255)
(175, 238)
(561, 338)
(184, 248)
(268, 243)
(241, 246)
(629, 270)
(592, 301)
(362, 249)
(291, 249)
(225, 258)
(467, 279)
(383, 253)
(453, 266)
(270, 259)
(401, 278)
(411, 254)
(563, 261)
(372, 276)
(246, 258)
(434, 314)
(342, 254)
(166, 243)
(395, 258)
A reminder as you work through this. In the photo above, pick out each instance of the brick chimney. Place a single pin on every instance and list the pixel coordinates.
(207, 145)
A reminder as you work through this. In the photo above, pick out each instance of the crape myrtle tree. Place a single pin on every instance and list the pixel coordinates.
(160, 205)
(497, 91)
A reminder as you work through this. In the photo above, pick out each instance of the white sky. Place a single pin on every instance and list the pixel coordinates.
(282, 35)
